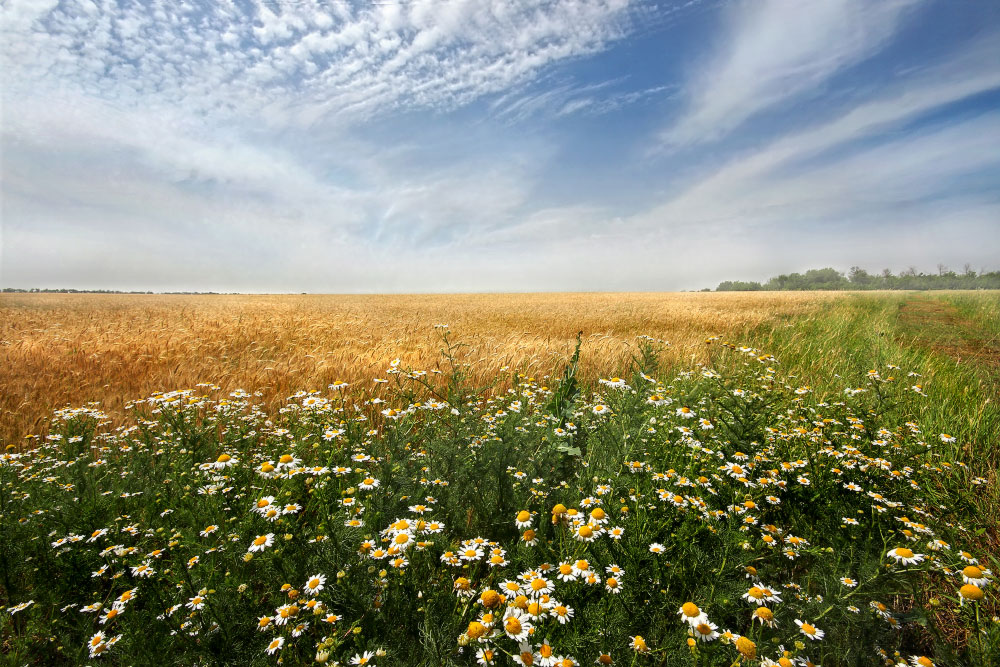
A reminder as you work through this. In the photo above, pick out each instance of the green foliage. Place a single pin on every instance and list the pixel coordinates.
(859, 279)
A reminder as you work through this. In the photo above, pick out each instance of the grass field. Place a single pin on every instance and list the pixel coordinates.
(795, 479)
(69, 349)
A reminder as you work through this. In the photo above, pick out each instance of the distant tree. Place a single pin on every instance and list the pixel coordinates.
(859, 278)
(738, 286)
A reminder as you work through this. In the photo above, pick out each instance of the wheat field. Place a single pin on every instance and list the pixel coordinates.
(68, 349)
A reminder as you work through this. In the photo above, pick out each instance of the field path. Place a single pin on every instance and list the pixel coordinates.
(937, 325)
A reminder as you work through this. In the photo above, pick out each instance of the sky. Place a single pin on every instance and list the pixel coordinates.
(492, 145)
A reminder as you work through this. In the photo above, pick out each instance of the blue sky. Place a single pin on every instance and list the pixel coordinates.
(493, 145)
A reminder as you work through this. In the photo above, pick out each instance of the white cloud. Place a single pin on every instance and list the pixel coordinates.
(295, 59)
(564, 99)
(774, 51)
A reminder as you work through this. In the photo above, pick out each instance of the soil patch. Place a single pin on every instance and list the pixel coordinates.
(938, 325)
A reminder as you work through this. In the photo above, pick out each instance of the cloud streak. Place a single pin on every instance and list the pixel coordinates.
(775, 51)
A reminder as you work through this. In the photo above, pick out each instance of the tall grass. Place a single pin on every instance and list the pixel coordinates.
(57, 350)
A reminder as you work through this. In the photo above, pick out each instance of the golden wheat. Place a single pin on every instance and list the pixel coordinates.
(60, 349)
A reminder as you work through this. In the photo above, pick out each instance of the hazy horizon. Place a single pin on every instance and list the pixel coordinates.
(457, 146)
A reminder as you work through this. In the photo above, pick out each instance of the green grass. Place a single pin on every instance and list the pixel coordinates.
(920, 333)
(757, 495)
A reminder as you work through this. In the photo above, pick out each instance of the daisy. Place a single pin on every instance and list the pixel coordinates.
(613, 585)
(260, 506)
(566, 572)
(847, 581)
(112, 613)
(539, 586)
(581, 567)
(463, 587)
(498, 558)
(225, 461)
(470, 553)
(525, 656)
(970, 592)
(705, 631)
(125, 598)
(486, 656)
(765, 616)
(261, 542)
(656, 548)
(275, 645)
(19, 607)
(598, 516)
(905, 556)
(690, 612)
(368, 483)
(685, 413)
(746, 647)
(562, 613)
(760, 595)
(972, 574)
(315, 584)
(880, 609)
(288, 461)
(97, 644)
(285, 612)
(516, 625)
(600, 409)
(809, 631)
(546, 655)
(638, 644)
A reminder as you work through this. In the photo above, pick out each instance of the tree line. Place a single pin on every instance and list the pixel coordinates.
(860, 279)
(37, 290)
